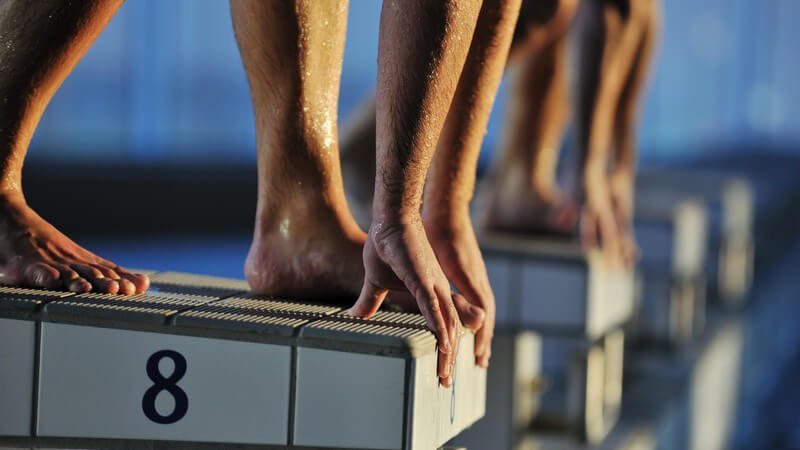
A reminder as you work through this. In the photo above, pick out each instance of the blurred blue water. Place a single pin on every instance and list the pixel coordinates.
(164, 82)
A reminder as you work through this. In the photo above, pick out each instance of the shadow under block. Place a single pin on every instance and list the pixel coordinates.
(672, 234)
(670, 311)
(551, 384)
(552, 286)
(730, 203)
(180, 364)
(512, 385)
(705, 388)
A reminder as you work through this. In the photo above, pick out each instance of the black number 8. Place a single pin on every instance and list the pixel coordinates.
(165, 384)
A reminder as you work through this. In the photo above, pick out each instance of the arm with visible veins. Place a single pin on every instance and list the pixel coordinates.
(422, 48)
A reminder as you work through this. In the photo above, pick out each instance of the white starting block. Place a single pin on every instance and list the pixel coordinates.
(557, 356)
(198, 359)
(730, 202)
(671, 231)
(554, 287)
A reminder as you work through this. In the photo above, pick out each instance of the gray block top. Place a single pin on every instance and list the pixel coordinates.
(389, 333)
(255, 313)
(142, 308)
(25, 301)
(177, 284)
(566, 250)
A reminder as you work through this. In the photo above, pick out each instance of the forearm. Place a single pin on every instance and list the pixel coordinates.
(422, 49)
(452, 174)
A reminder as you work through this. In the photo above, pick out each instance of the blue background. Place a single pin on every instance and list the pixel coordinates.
(164, 83)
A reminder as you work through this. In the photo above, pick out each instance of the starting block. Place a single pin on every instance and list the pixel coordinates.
(730, 203)
(557, 355)
(554, 287)
(671, 230)
(200, 359)
(556, 385)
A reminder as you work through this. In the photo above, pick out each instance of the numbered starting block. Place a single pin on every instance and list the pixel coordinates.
(200, 359)
(672, 233)
(730, 203)
(558, 352)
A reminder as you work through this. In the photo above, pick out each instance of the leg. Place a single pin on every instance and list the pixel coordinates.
(624, 158)
(42, 43)
(421, 51)
(522, 193)
(358, 160)
(451, 179)
(610, 34)
(305, 243)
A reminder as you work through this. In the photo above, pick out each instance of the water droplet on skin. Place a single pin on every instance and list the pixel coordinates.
(283, 228)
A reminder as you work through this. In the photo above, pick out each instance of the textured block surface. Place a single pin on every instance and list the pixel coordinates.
(178, 283)
(23, 302)
(17, 354)
(254, 313)
(143, 308)
(107, 383)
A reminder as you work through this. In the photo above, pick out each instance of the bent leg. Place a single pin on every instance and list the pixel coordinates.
(609, 37)
(451, 179)
(623, 162)
(521, 193)
(305, 244)
(43, 41)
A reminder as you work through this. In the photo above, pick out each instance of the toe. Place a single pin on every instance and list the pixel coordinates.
(107, 272)
(126, 287)
(72, 281)
(79, 286)
(87, 271)
(42, 275)
(105, 285)
(99, 281)
(140, 282)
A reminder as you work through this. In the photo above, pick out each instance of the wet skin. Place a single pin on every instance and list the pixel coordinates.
(306, 243)
(42, 42)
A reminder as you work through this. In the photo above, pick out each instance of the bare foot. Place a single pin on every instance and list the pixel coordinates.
(307, 254)
(35, 254)
(456, 248)
(513, 202)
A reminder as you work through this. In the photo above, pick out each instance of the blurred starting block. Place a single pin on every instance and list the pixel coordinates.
(672, 233)
(201, 360)
(730, 203)
(557, 356)
(683, 400)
